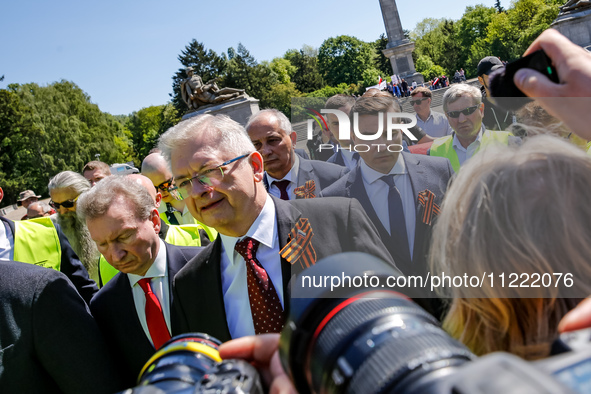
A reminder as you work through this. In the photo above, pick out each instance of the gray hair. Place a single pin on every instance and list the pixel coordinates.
(231, 135)
(95, 202)
(69, 180)
(282, 120)
(461, 90)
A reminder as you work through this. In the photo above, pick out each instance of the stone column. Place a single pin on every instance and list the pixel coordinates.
(574, 21)
(399, 49)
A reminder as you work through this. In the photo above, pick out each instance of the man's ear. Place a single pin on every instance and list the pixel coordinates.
(294, 138)
(158, 199)
(155, 219)
(256, 161)
(481, 80)
(1, 194)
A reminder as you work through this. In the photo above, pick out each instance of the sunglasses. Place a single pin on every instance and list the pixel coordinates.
(465, 111)
(66, 204)
(164, 186)
(418, 101)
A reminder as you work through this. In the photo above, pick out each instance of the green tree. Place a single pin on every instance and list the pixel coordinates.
(205, 62)
(343, 59)
(499, 7)
(307, 76)
(146, 125)
(382, 63)
(283, 68)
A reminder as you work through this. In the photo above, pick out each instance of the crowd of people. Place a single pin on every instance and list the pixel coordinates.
(223, 216)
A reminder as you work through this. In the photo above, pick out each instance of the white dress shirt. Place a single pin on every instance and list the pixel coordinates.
(291, 176)
(466, 153)
(377, 191)
(234, 287)
(159, 284)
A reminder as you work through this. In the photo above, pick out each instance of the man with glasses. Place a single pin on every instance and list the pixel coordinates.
(41, 242)
(433, 123)
(239, 284)
(464, 109)
(494, 118)
(64, 189)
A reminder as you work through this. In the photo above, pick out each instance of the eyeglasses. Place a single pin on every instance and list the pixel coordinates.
(66, 204)
(418, 101)
(208, 178)
(465, 111)
(164, 186)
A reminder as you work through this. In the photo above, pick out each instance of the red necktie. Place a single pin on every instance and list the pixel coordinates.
(267, 313)
(282, 186)
(154, 316)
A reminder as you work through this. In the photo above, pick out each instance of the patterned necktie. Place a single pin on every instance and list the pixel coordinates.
(154, 316)
(267, 313)
(396, 212)
(170, 215)
(282, 185)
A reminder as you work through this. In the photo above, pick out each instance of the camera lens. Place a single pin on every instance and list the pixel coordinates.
(372, 341)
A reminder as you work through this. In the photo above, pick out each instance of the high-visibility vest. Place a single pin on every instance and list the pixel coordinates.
(443, 147)
(183, 235)
(36, 242)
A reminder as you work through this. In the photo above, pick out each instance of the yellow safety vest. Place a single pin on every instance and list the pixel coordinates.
(36, 242)
(443, 147)
(183, 235)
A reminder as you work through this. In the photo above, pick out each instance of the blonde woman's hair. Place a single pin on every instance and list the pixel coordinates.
(521, 210)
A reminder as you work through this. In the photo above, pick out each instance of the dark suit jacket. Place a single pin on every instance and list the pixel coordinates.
(302, 153)
(114, 310)
(70, 265)
(323, 174)
(49, 342)
(424, 173)
(339, 225)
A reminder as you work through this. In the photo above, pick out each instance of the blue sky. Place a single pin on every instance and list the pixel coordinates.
(124, 53)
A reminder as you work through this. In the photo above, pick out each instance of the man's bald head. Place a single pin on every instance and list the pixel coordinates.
(156, 169)
(147, 183)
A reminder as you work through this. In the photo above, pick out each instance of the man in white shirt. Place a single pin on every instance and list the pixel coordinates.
(433, 123)
(287, 176)
(132, 309)
(239, 284)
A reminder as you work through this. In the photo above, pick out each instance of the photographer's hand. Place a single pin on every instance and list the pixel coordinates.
(261, 351)
(578, 318)
(573, 65)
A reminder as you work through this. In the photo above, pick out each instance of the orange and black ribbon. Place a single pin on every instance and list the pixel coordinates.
(299, 245)
(306, 190)
(430, 209)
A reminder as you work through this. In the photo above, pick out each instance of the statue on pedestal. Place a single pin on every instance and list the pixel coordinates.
(196, 94)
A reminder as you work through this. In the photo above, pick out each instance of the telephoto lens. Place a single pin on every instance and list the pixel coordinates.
(357, 339)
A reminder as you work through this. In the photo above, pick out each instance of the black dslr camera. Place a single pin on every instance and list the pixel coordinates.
(379, 341)
(191, 364)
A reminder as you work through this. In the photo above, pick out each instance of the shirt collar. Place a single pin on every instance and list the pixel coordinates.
(157, 269)
(291, 176)
(370, 175)
(264, 229)
(457, 144)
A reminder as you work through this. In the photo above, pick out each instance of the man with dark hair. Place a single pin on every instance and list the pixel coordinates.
(262, 239)
(433, 123)
(287, 176)
(133, 309)
(495, 118)
(342, 157)
(95, 170)
(418, 181)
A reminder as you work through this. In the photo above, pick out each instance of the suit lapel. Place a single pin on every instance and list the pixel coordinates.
(127, 307)
(419, 182)
(286, 215)
(306, 173)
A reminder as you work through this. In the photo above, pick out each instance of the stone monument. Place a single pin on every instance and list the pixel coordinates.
(202, 98)
(399, 49)
(574, 21)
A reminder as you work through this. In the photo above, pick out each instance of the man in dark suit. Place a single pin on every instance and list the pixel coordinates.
(49, 342)
(238, 285)
(287, 176)
(419, 181)
(123, 220)
(34, 242)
